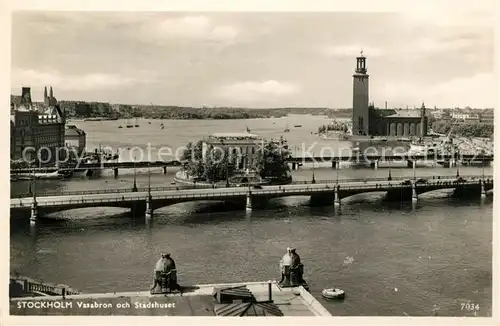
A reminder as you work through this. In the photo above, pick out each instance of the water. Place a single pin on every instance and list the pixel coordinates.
(437, 255)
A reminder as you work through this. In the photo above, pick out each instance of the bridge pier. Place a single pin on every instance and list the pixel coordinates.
(294, 166)
(410, 164)
(452, 163)
(165, 169)
(336, 198)
(34, 212)
(249, 202)
(149, 208)
(334, 165)
(115, 172)
(374, 165)
(414, 196)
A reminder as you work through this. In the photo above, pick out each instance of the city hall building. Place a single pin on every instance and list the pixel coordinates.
(369, 121)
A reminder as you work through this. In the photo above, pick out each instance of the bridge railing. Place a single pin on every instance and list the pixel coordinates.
(236, 192)
(205, 186)
(33, 286)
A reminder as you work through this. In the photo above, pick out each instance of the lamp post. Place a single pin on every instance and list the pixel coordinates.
(482, 162)
(337, 167)
(313, 179)
(414, 170)
(134, 188)
(33, 187)
(149, 180)
(389, 178)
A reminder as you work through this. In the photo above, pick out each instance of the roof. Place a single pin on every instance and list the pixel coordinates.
(195, 301)
(405, 114)
(72, 130)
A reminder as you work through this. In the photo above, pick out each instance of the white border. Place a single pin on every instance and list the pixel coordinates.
(217, 5)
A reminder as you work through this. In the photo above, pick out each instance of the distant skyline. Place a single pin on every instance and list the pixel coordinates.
(256, 59)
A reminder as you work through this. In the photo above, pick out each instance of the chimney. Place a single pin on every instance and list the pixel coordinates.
(270, 291)
(386, 105)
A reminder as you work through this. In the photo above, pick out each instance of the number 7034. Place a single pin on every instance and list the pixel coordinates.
(469, 306)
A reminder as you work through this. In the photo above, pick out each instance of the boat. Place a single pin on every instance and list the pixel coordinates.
(39, 176)
(162, 126)
(333, 293)
(136, 124)
(120, 126)
(297, 126)
(129, 125)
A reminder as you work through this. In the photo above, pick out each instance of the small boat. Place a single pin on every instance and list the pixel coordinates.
(129, 125)
(333, 293)
(120, 126)
(136, 123)
(162, 126)
(297, 126)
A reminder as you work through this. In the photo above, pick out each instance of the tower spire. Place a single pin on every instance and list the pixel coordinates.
(51, 93)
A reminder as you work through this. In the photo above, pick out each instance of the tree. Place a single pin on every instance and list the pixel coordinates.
(192, 159)
(272, 162)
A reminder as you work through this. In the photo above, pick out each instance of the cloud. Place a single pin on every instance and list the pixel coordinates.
(443, 14)
(86, 82)
(477, 90)
(251, 90)
(189, 27)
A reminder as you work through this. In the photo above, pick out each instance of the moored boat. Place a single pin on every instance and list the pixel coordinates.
(333, 293)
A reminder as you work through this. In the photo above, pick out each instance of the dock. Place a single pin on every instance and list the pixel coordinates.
(201, 300)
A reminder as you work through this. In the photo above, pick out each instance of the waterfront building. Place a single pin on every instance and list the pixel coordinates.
(369, 121)
(36, 129)
(243, 148)
(75, 138)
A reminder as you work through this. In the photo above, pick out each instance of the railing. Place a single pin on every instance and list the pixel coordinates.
(208, 186)
(244, 191)
(372, 158)
(32, 286)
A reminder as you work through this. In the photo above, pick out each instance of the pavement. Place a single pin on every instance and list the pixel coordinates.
(199, 301)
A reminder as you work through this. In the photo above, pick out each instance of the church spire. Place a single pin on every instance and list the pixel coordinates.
(51, 93)
(45, 94)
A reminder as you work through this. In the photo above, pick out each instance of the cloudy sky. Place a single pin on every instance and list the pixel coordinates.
(442, 57)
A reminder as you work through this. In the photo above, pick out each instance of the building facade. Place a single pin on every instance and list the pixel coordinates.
(243, 148)
(36, 135)
(369, 121)
(75, 139)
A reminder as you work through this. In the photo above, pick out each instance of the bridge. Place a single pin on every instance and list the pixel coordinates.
(145, 202)
(449, 160)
